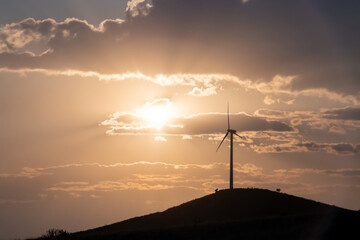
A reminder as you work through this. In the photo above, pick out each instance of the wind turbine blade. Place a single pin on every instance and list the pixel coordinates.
(222, 141)
(239, 136)
(228, 117)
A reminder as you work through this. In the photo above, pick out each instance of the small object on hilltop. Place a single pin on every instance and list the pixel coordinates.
(278, 190)
(216, 190)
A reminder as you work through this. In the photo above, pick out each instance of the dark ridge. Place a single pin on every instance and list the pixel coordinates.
(230, 214)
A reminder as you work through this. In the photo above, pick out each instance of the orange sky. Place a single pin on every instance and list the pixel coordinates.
(109, 117)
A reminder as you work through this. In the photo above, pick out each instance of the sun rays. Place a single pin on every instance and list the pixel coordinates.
(157, 113)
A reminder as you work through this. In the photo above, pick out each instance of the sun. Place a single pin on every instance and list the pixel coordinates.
(157, 113)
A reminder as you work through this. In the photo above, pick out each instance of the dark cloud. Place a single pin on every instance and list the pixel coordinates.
(311, 146)
(217, 123)
(346, 148)
(339, 148)
(73, 44)
(138, 7)
(344, 172)
(344, 114)
(316, 40)
(93, 10)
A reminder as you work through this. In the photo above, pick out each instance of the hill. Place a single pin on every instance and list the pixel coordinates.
(231, 214)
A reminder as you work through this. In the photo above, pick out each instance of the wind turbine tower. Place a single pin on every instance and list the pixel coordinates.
(232, 132)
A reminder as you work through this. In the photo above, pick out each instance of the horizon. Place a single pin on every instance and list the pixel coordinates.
(114, 109)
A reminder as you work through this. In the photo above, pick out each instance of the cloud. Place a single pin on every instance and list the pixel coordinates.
(96, 178)
(156, 117)
(62, 38)
(106, 186)
(15, 36)
(268, 100)
(201, 84)
(348, 113)
(282, 114)
(339, 121)
(204, 36)
(109, 182)
(200, 92)
(206, 84)
(349, 172)
(337, 129)
(343, 172)
(197, 124)
(25, 173)
(160, 139)
(346, 148)
(263, 133)
(141, 176)
(332, 131)
(283, 86)
(138, 7)
(14, 201)
(294, 146)
(186, 137)
(266, 131)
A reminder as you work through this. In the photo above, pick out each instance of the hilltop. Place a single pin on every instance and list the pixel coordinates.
(231, 214)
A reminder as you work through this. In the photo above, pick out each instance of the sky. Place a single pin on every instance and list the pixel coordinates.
(113, 109)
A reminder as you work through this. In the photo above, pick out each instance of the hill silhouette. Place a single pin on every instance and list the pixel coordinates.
(231, 214)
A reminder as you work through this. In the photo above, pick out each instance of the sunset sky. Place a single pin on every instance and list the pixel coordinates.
(113, 109)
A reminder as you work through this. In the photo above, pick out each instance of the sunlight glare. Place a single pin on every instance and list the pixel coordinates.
(157, 113)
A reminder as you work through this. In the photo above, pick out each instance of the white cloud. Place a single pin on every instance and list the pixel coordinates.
(160, 139)
(268, 100)
(186, 137)
(209, 84)
(201, 92)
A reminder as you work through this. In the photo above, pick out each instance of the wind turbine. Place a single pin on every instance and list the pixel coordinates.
(232, 132)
